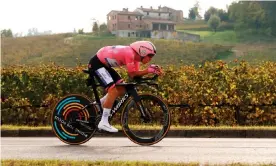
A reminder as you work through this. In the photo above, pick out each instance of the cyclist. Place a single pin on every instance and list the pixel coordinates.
(101, 65)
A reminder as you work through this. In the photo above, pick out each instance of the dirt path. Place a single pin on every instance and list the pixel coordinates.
(242, 49)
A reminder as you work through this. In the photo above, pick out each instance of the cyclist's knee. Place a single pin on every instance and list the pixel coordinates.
(113, 91)
(116, 90)
(121, 90)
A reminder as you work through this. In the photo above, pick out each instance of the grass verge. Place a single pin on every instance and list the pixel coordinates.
(173, 127)
(13, 162)
(231, 37)
(220, 37)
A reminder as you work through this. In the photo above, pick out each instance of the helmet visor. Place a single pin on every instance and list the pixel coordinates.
(151, 55)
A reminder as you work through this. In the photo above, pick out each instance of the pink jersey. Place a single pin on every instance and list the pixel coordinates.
(116, 56)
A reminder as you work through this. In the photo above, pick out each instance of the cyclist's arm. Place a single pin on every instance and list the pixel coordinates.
(134, 70)
(138, 73)
(133, 67)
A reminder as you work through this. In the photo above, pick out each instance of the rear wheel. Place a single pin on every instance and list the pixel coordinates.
(73, 119)
(149, 131)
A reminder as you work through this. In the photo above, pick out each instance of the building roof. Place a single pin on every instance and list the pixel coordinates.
(166, 7)
(153, 10)
(126, 12)
(159, 21)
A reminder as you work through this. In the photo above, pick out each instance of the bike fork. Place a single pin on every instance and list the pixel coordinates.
(141, 107)
(137, 99)
(144, 115)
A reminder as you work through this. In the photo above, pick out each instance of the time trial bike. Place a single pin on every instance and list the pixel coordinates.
(145, 118)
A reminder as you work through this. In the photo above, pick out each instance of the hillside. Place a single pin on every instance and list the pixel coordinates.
(68, 50)
(249, 45)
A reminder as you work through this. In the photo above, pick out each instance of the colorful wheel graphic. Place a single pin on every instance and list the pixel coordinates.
(73, 119)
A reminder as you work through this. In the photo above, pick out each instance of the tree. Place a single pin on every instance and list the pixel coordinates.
(19, 34)
(80, 31)
(223, 15)
(197, 9)
(95, 27)
(209, 12)
(6, 33)
(257, 16)
(9, 33)
(214, 22)
(192, 14)
(270, 9)
(32, 32)
(248, 15)
(194, 11)
(103, 27)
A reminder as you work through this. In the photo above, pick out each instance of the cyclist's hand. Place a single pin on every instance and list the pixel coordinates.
(155, 69)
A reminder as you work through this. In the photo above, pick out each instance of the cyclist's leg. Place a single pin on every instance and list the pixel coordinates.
(112, 91)
(93, 65)
(115, 91)
(107, 77)
(121, 91)
(101, 100)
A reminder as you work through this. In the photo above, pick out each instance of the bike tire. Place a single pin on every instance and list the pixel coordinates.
(65, 113)
(132, 134)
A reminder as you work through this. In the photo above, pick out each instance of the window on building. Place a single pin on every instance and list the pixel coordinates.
(171, 27)
(128, 34)
(129, 17)
(163, 26)
(140, 17)
(147, 13)
(155, 26)
(115, 16)
(128, 25)
(159, 14)
(140, 26)
(136, 18)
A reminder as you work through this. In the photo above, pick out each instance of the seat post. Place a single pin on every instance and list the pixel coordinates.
(93, 84)
(94, 87)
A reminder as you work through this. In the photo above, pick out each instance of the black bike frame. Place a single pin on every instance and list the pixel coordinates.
(130, 91)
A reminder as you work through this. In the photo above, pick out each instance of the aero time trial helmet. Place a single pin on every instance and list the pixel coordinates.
(143, 48)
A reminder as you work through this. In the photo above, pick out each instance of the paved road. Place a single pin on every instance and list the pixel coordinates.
(211, 150)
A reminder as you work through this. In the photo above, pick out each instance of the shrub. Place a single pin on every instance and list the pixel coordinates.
(240, 90)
